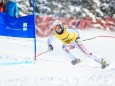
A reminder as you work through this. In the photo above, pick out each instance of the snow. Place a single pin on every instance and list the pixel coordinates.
(97, 3)
(54, 68)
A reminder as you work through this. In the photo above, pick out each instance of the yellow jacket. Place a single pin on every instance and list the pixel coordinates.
(66, 37)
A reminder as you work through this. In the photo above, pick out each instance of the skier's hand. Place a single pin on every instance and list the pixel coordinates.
(78, 40)
(50, 48)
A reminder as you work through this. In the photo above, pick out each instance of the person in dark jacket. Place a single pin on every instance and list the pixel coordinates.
(2, 6)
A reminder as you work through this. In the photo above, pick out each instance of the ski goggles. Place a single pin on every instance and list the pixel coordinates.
(57, 27)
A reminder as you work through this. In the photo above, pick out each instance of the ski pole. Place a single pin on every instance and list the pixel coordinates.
(42, 53)
(99, 37)
(89, 39)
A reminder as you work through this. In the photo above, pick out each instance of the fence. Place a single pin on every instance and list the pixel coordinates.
(44, 24)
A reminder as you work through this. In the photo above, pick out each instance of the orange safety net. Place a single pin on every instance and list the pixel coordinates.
(44, 24)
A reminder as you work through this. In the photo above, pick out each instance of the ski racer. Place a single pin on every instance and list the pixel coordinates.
(71, 37)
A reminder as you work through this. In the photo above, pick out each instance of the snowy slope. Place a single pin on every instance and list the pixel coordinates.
(54, 68)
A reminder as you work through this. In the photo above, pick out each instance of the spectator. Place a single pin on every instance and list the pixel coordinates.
(11, 8)
(2, 5)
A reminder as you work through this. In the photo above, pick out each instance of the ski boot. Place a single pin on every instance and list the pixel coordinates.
(104, 64)
(75, 61)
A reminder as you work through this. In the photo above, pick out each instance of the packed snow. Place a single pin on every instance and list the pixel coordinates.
(18, 67)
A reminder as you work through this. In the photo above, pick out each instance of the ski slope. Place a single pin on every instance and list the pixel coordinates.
(54, 68)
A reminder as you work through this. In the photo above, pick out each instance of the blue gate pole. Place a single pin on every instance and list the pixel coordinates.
(33, 4)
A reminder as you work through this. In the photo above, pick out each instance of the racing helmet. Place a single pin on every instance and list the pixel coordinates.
(57, 24)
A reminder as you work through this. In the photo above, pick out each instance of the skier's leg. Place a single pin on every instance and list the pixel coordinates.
(97, 58)
(80, 47)
(74, 58)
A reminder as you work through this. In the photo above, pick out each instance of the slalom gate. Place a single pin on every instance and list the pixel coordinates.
(17, 38)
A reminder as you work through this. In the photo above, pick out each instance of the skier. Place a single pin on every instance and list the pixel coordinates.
(71, 37)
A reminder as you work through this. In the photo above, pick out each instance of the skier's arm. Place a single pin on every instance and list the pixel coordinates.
(50, 47)
(16, 10)
(50, 40)
(77, 31)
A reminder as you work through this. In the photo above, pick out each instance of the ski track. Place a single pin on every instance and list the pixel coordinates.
(54, 68)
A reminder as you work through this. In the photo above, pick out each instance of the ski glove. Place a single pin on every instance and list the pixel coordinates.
(50, 48)
(78, 40)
